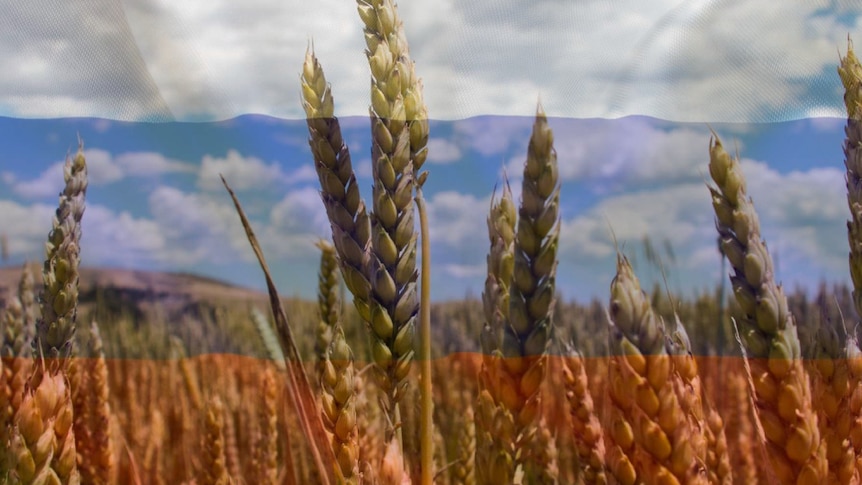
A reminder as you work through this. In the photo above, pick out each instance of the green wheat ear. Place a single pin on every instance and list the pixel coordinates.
(56, 328)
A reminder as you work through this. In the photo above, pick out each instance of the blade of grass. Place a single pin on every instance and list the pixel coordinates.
(299, 388)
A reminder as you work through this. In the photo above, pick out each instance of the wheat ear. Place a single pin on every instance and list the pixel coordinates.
(339, 403)
(44, 443)
(327, 300)
(344, 206)
(16, 334)
(266, 445)
(586, 427)
(392, 265)
(767, 329)
(493, 420)
(96, 459)
(850, 72)
(707, 428)
(651, 433)
(56, 328)
(529, 331)
(213, 466)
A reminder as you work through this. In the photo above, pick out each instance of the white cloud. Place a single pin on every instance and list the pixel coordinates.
(469, 271)
(493, 135)
(441, 151)
(31, 224)
(681, 213)
(624, 153)
(150, 163)
(102, 169)
(47, 184)
(119, 239)
(458, 220)
(700, 61)
(242, 173)
(300, 211)
(197, 228)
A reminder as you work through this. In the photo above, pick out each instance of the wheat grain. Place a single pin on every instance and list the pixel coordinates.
(43, 443)
(92, 412)
(465, 448)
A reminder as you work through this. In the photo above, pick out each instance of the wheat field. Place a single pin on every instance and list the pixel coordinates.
(374, 384)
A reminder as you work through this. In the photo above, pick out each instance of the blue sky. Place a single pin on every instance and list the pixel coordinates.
(155, 200)
(166, 95)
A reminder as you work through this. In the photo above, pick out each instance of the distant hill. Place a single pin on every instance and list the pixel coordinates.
(142, 289)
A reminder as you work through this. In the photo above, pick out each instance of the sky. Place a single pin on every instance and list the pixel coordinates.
(167, 95)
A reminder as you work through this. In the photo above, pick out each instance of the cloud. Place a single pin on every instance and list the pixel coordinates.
(624, 154)
(197, 228)
(102, 169)
(492, 135)
(76, 60)
(247, 173)
(441, 151)
(150, 164)
(31, 224)
(119, 239)
(469, 271)
(300, 211)
(691, 61)
(458, 220)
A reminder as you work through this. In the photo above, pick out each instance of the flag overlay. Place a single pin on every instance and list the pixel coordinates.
(164, 100)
